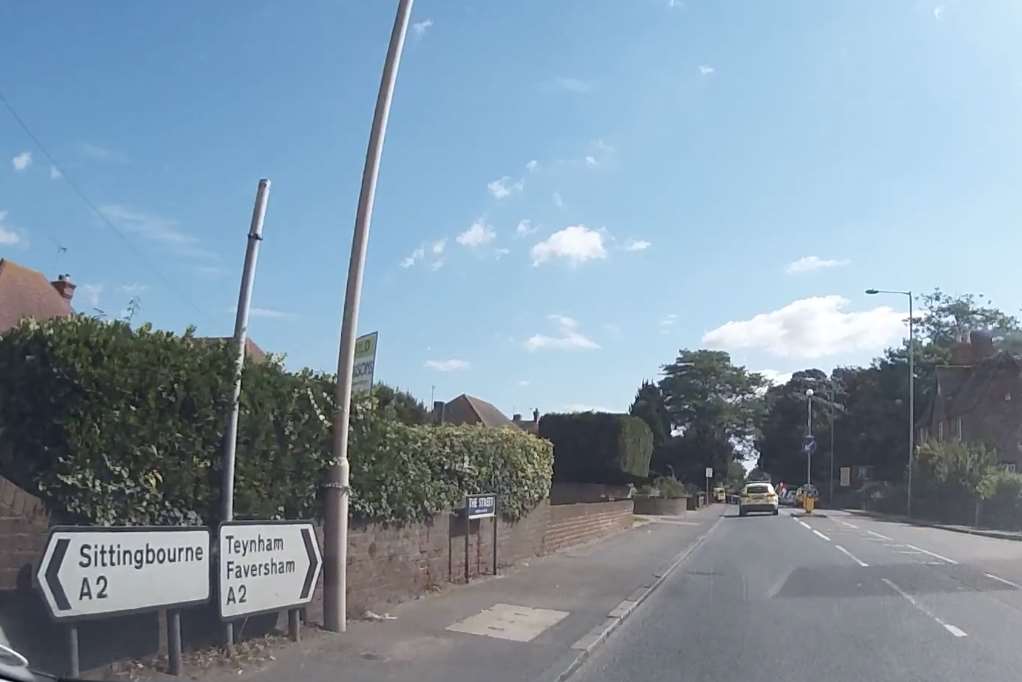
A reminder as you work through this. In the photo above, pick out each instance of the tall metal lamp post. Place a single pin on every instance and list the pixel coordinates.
(911, 391)
(809, 434)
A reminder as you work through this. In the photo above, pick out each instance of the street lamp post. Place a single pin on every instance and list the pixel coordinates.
(809, 432)
(911, 391)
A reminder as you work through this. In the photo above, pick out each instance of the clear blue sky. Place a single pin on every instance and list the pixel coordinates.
(681, 166)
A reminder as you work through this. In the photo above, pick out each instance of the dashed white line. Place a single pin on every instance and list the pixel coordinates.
(850, 525)
(1003, 580)
(878, 535)
(851, 556)
(816, 532)
(805, 525)
(956, 631)
(933, 554)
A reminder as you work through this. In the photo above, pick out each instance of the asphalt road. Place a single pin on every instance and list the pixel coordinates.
(832, 598)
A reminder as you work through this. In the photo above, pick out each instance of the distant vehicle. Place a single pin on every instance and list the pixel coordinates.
(787, 498)
(719, 494)
(758, 497)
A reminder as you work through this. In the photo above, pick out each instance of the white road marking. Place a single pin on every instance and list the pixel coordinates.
(850, 525)
(1002, 580)
(957, 632)
(878, 535)
(851, 556)
(805, 525)
(816, 532)
(933, 554)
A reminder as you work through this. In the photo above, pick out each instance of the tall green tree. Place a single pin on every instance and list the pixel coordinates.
(400, 406)
(650, 407)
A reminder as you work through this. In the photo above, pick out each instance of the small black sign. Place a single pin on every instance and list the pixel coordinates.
(480, 506)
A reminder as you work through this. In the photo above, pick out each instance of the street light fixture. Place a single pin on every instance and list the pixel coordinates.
(911, 390)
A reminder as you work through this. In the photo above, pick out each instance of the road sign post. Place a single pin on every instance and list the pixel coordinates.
(98, 572)
(365, 364)
(266, 566)
(709, 477)
(477, 507)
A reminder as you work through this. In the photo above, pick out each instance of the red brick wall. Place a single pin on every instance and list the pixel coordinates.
(23, 529)
(573, 524)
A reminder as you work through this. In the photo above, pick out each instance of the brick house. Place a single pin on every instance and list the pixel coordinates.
(978, 398)
(27, 293)
(527, 426)
(467, 409)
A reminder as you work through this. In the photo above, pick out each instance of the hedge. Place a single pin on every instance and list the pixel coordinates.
(114, 425)
(598, 447)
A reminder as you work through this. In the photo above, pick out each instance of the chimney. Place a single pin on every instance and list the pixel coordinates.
(516, 417)
(535, 416)
(64, 286)
(438, 412)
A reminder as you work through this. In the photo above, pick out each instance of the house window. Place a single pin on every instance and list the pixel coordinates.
(958, 428)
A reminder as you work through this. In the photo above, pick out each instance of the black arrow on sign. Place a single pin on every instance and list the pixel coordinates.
(310, 575)
(51, 574)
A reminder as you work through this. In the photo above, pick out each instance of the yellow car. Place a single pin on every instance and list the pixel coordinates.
(758, 497)
(719, 494)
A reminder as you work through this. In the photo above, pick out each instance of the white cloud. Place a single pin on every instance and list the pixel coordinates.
(436, 265)
(524, 382)
(478, 234)
(575, 244)
(775, 377)
(811, 263)
(500, 253)
(568, 337)
(575, 85)
(99, 153)
(558, 200)
(591, 161)
(420, 27)
(22, 161)
(9, 235)
(133, 289)
(155, 228)
(532, 166)
(438, 246)
(675, 3)
(90, 293)
(271, 313)
(938, 12)
(525, 228)
(811, 328)
(55, 173)
(638, 245)
(504, 187)
(668, 320)
(452, 365)
(706, 70)
(413, 258)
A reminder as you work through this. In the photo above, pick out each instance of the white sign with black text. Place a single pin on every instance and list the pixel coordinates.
(88, 572)
(267, 566)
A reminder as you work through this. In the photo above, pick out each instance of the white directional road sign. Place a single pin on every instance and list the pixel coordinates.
(90, 572)
(267, 566)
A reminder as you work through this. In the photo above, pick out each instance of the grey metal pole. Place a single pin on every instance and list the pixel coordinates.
(72, 651)
(335, 531)
(255, 237)
(174, 641)
(830, 494)
(911, 404)
(809, 454)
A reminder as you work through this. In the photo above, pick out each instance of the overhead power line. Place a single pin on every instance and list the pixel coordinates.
(76, 188)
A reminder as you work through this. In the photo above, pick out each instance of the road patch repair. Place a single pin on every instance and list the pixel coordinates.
(508, 621)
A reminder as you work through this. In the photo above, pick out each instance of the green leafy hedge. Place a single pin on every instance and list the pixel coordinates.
(114, 425)
(597, 447)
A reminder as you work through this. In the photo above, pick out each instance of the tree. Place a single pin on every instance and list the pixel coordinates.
(400, 405)
(950, 318)
(649, 406)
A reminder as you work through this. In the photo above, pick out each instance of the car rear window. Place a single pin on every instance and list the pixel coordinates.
(757, 489)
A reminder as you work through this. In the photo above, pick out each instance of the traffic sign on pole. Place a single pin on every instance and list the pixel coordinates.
(365, 363)
(267, 566)
(92, 572)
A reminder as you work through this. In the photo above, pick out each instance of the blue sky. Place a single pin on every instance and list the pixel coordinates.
(570, 191)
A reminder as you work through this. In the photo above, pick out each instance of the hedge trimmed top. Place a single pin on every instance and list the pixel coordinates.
(111, 425)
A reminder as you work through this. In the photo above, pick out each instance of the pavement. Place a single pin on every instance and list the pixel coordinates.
(831, 596)
(535, 623)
